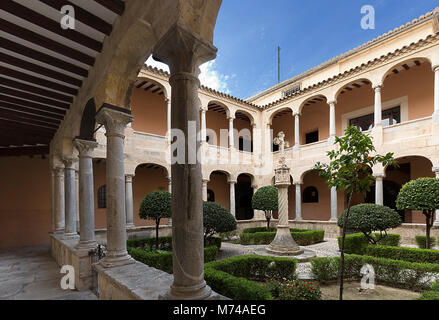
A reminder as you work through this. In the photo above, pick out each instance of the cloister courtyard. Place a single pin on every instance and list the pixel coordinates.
(123, 181)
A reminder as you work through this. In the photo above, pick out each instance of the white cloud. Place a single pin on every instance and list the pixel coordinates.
(209, 77)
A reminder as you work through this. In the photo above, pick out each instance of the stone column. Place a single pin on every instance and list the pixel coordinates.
(129, 200)
(231, 136)
(334, 204)
(59, 200)
(70, 198)
(78, 227)
(379, 198)
(204, 189)
(184, 52)
(86, 194)
(378, 107)
(115, 120)
(296, 131)
(283, 243)
(331, 121)
(168, 116)
(436, 222)
(170, 191)
(436, 93)
(298, 201)
(203, 126)
(232, 184)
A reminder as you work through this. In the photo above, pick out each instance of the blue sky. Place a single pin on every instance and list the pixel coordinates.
(309, 32)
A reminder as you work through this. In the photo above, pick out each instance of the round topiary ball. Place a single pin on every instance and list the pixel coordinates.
(156, 205)
(217, 219)
(368, 217)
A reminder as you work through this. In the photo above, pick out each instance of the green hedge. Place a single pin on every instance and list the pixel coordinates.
(232, 277)
(302, 237)
(163, 260)
(165, 243)
(395, 273)
(421, 241)
(357, 243)
(432, 294)
(403, 253)
(271, 229)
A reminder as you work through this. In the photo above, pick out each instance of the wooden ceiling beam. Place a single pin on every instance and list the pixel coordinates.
(30, 104)
(82, 15)
(12, 112)
(23, 151)
(9, 106)
(35, 80)
(37, 90)
(44, 42)
(44, 22)
(116, 6)
(32, 97)
(39, 56)
(39, 69)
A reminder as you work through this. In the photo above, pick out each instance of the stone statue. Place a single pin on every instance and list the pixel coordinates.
(280, 141)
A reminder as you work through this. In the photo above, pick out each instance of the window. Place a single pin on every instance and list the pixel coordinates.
(312, 137)
(292, 90)
(389, 117)
(210, 196)
(102, 197)
(310, 195)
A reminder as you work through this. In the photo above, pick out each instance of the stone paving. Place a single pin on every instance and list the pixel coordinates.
(328, 248)
(30, 273)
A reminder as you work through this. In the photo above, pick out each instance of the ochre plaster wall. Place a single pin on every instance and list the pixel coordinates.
(221, 188)
(25, 204)
(149, 111)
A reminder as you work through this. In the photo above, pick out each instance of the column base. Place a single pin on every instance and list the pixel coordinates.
(198, 292)
(130, 226)
(333, 220)
(86, 245)
(70, 236)
(116, 259)
(298, 219)
(284, 244)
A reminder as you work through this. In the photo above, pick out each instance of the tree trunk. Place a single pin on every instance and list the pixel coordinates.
(342, 246)
(157, 224)
(428, 216)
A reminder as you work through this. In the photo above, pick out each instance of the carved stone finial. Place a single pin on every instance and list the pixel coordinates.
(280, 141)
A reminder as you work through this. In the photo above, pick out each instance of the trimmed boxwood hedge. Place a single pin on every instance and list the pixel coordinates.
(301, 236)
(232, 277)
(403, 253)
(357, 243)
(432, 294)
(395, 273)
(163, 260)
(165, 243)
(421, 241)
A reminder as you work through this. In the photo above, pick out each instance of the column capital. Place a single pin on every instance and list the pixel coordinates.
(184, 51)
(332, 102)
(379, 176)
(435, 68)
(231, 118)
(378, 87)
(297, 114)
(85, 147)
(232, 181)
(206, 180)
(129, 177)
(58, 170)
(69, 162)
(297, 183)
(114, 119)
(435, 170)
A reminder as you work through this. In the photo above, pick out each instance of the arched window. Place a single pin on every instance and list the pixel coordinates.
(210, 196)
(102, 197)
(310, 195)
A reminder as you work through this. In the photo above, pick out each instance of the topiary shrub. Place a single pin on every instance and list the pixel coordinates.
(368, 217)
(403, 253)
(421, 194)
(357, 243)
(266, 199)
(232, 277)
(302, 237)
(216, 219)
(421, 241)
(155, 206)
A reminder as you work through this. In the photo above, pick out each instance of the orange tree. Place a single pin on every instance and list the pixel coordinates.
(349, 171)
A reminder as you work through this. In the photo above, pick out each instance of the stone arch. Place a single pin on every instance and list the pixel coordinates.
(88, 121)
(404, 64)
(312, 99)
(278, 111)
(355, 83)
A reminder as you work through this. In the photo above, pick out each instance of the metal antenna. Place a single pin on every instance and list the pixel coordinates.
(278, 64)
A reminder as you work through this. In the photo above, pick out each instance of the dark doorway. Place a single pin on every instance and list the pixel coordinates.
(243, 198)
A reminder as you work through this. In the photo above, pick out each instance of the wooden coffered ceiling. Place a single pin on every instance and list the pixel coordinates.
(42, 66)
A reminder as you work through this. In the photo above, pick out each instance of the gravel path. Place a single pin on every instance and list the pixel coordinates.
(328, 248)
